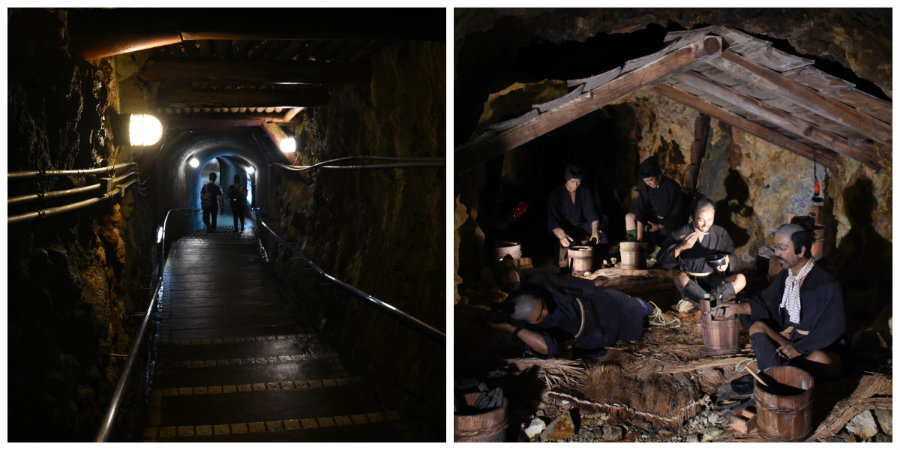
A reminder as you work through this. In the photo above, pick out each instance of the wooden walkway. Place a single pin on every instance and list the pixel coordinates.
(235, 363)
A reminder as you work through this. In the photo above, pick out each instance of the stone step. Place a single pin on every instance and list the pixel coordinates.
(298, 344)
(364, 427)
(211, 372)
(263, 405)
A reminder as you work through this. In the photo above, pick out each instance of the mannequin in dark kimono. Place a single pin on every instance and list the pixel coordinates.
(572, 215)
(550, 309)
(799, 319)
(660, 206)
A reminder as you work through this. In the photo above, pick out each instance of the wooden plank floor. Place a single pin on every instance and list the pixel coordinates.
(234, 363)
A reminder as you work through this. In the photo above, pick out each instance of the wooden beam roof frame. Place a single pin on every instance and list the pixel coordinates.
(806, 96)
(858, 151)
(478, 151)
(826, 157)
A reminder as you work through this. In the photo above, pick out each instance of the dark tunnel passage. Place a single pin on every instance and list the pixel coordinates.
(318, 321)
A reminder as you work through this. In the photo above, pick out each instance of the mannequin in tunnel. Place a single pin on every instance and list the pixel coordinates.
(572, 214)
(660, 206)
(237, 196)
(210, 197)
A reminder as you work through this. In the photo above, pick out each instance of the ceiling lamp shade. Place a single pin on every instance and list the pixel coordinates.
(288, 145)
(144, 130)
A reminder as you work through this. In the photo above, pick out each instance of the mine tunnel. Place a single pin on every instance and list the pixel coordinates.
(731, 105)
(316, 313)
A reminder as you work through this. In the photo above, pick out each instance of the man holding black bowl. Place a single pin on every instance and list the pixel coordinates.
(704, 251)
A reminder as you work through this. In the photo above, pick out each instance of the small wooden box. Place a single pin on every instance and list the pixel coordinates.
(744, 421)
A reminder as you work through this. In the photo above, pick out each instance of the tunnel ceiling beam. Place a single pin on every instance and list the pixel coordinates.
(479, 151)
(98, 33)
(859, 151)
(189, 98)
(248, 116)
(824, 156)
(247, 71)
(781, 85)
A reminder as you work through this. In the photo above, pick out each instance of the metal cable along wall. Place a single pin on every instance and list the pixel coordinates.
(406, 162)
(384, 306)
(112, 186)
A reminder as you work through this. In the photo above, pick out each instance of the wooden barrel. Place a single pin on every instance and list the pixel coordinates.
(582, 258)
(633, 254)
(503, 248)
(487, 426)
(720, 337)
(784, 409)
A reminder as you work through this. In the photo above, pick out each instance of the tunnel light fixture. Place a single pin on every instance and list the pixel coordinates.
(288, 145)
(250, 170)
(194, 162)
(159, 235)
(144, 130)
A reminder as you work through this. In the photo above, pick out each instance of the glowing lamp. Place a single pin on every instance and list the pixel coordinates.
(159, 235)
(288, 145)
(194, 162)
(250, 170)
(144, 130)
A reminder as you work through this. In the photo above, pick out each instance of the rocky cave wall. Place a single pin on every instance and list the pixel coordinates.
(754, 183)
(379, 230)
(75, 279)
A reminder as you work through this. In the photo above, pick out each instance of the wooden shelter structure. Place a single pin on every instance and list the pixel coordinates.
(736, 78)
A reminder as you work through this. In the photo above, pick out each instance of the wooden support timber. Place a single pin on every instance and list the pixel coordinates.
(253, 71)
(294, 98)
(806, 96)
(481, 150)
(860, 152)
(826, 157)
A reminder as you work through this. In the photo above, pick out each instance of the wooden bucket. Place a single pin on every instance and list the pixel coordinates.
(503, 248)
(633, 254)
(582, 258)
(488, 426)
(784, 410)
(720, 337)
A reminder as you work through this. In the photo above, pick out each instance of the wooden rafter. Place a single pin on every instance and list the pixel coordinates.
(773, 81)
(268, 71)
(856, 150)
(186, 98)
(825, 157)
(476, 152)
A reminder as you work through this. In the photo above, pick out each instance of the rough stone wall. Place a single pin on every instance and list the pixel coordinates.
(74, 279)
(379, 230)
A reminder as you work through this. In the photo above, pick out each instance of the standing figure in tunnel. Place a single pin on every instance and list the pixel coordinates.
(237, 195)
(799, 318)
(660, 206)
(210, 197)
(695, 242)
(572, 215)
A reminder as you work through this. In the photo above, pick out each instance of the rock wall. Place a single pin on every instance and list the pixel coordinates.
(74, 279)
(379, 230)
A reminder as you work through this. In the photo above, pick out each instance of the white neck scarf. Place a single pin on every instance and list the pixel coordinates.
(790, 301)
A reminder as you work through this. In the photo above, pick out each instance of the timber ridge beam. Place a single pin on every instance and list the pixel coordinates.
(189, 98)
(479, 151)
(252, 71)
(826, 157)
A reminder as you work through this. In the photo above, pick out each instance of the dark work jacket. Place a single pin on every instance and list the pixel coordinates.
(694, 258)
(667, 201)
(610, 315)
(562, 213)
(821, 310)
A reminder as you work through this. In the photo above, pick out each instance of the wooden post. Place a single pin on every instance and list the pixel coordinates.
(698, 150)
